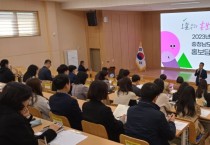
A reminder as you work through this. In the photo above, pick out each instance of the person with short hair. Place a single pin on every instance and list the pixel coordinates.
(145, 121)
(135, 82)
(200, 73)
(79, 89)
(97, 112)
(103, 76)
(163, 99)
(187, 108)
(72, 73)
(61, 103)
(37, 100)
(63, 69)
(124, 95)
(104, 69)
(6, 75)
(81, 67)
(31, 72)
(44, 72)
(15, 127)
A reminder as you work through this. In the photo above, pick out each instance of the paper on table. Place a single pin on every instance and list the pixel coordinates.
(68, 137)
(120, 110)
(205, 112)
(180, 125)
(139, 86)
(173, 91)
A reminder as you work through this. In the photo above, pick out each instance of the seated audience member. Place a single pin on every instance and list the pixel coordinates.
(103, 76)
(6, 74)
(30, 73)
(187, 108)
(79, 89)
(135, 83)
(44, 72)
(63, 104)
(202, 88)
(125, 73)
(145, 120)
(120, 74)
(166, 84)
(125, 96)
(163, 99)
(37, 100)
(179, 81)
(95, 111)
(81, 67)
(15, 117)
(176, 95)
(105, 69)
(72, 73)
(63, 69)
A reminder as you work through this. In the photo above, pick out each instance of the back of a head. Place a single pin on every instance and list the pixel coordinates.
(60, 81)
(160, 84)
(62, 69)
(35, 85)
(102, 75)
(47, 61)
(81, 78)
(98, 90)
(81, 62)
(181, 87)
(136, 78)
(120, 74)
(4, 63)
(125, 85)
(126, 73)
(14, 94)
(104, 69)
(179, 80)
(163, 77)
(72, 68)
(186, 102)
(32, 70)
(149, 92)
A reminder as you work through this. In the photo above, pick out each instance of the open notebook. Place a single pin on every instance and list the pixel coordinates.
(205, 112)
(120, 110)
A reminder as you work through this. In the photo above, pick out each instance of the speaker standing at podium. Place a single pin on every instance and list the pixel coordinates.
(200, 73)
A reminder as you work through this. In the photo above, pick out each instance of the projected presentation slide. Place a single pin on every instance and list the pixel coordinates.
(185, 39)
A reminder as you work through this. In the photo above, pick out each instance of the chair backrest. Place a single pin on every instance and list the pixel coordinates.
(34, 112)
(95, 129)
(127, 140)
(60, 119)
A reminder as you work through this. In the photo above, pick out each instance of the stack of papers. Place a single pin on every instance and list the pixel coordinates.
(180, 125)
(120, 111)
(68, 137)
(205, 112)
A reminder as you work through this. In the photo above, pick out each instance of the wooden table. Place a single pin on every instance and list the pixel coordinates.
(90, 140)
(183, 132)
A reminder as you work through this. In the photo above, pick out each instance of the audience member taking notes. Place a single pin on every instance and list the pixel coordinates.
(145, 120)
(97, 112)
(63, 104)
(15, 128)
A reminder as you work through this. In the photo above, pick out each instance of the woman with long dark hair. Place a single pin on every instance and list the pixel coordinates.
(179, 91)
(30, 73)
(201, 90)
(187, 108)
(6, 75)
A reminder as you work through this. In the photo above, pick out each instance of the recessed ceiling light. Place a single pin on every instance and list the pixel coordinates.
(187, 3)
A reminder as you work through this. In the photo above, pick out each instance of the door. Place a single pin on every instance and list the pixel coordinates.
(95, 59)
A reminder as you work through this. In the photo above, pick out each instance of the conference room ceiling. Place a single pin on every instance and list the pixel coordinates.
(132, 5)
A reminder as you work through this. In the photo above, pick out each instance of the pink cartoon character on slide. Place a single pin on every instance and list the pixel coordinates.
(170, 47)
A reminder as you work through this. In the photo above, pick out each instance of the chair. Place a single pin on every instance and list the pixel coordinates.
(192, 134)
(95, 129)
(34, 112)
(127, 140)
(60, 119)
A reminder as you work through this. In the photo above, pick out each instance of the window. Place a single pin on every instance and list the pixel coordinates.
(16, 24)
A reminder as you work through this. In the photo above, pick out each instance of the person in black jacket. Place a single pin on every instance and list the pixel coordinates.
(6, 74)
(44, 72)
(15, 128)
(63, 104)
(135, 82)
(30, 73)
(81, 67)
(97, 112)
(145, 121)
(200, 73)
